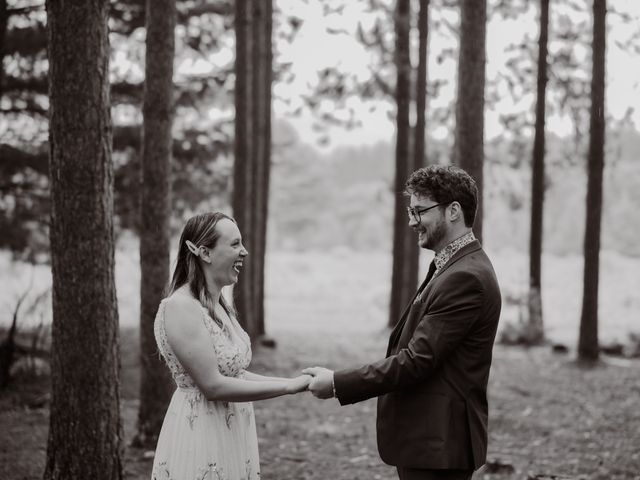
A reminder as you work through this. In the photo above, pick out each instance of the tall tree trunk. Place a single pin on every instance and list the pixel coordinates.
(588, 348)
(535, 332)
(403, 99)
(156, 386)
(7, 345)
(468, 150)
(4, 20)
(252, 167)
(262, 79)
(243, 174)
(412, 250)
(419, 152)
(85, 429)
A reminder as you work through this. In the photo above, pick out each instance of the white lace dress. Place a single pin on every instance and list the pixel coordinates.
(203, 440)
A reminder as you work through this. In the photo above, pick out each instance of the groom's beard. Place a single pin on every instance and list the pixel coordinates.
(433, 236)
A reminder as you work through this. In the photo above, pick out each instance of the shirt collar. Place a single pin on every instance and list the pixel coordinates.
(444, 255)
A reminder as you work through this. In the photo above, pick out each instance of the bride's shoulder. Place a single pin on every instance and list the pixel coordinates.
(180, 306)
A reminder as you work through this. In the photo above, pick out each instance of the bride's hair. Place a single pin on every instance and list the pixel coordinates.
(202, 232)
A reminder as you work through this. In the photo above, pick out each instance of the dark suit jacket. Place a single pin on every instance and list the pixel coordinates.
(432, 385)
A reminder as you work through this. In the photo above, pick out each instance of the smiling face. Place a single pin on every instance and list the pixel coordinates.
(432, 227)
(228, 254)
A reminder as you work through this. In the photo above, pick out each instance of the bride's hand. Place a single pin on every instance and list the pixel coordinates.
(298, 384)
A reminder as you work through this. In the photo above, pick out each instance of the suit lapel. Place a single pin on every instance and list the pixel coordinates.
(397, 330)
(403, 319)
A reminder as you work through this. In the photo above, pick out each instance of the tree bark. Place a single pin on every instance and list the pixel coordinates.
(468, 150)
(85, 430)
(412, 250)
(421, 86)
(535, 330)
(262, 79)
(243, 173)
(4, 19)
(399, 274)
(252, 167)
(588, 348)
(156, 386)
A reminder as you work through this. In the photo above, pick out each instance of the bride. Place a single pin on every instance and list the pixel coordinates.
(209, 430)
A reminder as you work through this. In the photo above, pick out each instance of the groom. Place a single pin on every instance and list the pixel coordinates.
(432, 385)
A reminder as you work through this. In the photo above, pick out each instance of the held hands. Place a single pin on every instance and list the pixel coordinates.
(322, 383)
(317, 380)
(298, 384)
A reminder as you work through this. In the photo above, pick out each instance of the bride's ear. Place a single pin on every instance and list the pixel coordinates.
(205, 254)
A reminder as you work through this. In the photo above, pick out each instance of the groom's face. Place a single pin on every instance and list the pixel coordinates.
(431, 227)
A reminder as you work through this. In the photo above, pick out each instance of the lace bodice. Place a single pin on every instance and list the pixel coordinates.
(233, 352)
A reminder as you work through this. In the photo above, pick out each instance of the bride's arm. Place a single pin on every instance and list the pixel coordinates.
(191, 343)
(256, 377)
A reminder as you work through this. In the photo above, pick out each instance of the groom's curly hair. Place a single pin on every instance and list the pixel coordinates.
(446, 184)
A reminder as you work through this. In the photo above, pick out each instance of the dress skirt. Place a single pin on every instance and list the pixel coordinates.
(206, 440)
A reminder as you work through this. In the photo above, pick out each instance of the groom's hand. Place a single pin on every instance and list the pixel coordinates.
(322, 382)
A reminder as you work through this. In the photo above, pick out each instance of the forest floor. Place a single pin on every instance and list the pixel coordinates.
(548, 416)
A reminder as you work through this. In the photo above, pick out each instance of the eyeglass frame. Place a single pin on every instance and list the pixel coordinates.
(416, 213)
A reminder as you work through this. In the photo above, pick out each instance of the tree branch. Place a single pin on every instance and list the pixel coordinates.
(24, 10)
(14, 159)
(26, 41)
(218, 8)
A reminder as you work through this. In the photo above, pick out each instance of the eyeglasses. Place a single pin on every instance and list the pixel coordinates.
(416, 212)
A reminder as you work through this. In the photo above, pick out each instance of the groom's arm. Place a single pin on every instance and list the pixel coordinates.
(456, 306)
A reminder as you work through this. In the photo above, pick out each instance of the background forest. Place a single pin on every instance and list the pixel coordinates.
(329, 275)
(333, 130)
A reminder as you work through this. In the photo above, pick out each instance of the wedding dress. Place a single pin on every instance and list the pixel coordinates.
(201, 439)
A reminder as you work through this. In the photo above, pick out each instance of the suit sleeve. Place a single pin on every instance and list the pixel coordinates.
(456, 306)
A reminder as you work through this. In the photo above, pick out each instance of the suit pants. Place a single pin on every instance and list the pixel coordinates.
(420, 474)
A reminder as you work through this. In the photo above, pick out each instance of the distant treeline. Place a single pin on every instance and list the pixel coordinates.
(345, 197)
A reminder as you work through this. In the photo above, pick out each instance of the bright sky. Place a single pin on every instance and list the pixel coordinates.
(314, 48)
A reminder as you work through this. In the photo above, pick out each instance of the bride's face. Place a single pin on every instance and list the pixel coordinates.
(228, 255)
